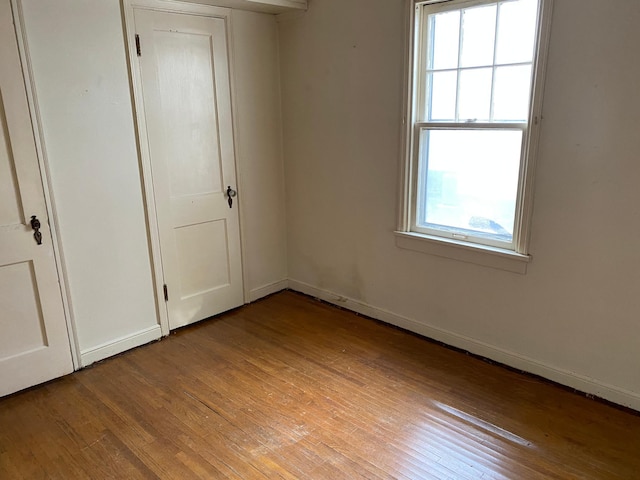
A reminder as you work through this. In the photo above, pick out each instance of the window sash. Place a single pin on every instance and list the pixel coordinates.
(456, 233)
(422, 70)
(471, 125)
(440, 6)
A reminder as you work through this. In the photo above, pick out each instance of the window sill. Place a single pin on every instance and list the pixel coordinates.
(464, 252)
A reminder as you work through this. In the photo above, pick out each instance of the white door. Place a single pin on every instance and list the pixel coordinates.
(34, 344)
(187, 109)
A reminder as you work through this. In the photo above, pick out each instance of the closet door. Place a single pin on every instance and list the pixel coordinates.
(34, 343)
(187, 108)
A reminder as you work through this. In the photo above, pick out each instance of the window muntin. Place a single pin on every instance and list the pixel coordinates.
(472, 94)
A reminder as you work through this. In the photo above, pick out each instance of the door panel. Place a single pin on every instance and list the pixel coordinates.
(195, 280)
(185, 75)
(187, 105)
(20, 302)
(34, 344)
(10, 208)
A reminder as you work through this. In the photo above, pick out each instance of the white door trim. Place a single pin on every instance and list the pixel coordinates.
(176, 6)
(171, 6)
(43, 163)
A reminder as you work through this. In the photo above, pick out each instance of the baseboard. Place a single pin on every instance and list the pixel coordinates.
(114, 347)
(258, 293)
(583, 384)
(95, 354)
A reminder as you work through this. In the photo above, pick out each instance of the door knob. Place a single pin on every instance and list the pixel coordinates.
(35, 224)
(230, 194)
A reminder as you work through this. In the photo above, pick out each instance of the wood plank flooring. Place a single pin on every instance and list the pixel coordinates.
(291, 388)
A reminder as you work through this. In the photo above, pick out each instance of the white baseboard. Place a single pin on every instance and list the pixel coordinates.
(258, 293)
(114, 347)
(581, 383)
(95, 354)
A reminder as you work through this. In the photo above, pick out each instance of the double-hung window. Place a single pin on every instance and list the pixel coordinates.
(473, 108)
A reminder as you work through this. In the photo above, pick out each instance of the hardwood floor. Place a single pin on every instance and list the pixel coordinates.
(292, 388)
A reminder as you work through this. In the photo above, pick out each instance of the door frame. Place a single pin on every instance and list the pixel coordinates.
(45, 175)
(135, 80)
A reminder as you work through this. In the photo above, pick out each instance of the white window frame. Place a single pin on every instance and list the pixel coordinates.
(410, 237)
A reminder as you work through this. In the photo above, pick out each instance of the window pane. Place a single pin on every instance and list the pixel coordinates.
(444, 40)
(469, 181)
(443, 95)
(516, 31)
(475, 94)
(511, 97)
(478, 35)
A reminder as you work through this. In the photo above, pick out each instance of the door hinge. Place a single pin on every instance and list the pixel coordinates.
(138, 50)
(166, 293)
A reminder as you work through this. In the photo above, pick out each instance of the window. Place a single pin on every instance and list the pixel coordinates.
(473, 116)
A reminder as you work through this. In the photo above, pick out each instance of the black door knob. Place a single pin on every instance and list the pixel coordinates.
(230, 194)
(35, 224)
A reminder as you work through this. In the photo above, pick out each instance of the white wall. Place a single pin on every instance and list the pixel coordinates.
(574, 317)
(80, 74)
(260, 165)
